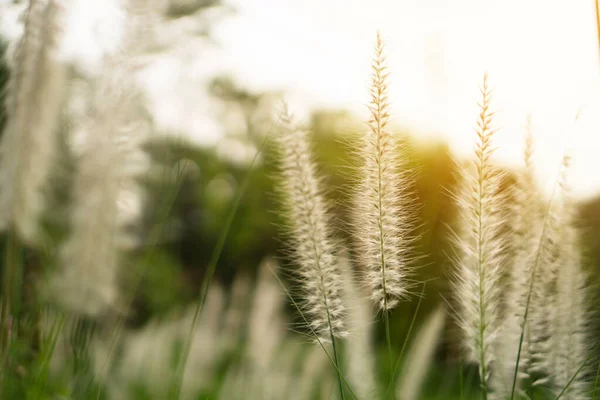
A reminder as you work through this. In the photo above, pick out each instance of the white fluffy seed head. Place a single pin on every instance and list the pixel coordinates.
(106, 187)
(524, 241)
(35, 95)
(383, 210)
(479, 247)
(308, 226)
(567, 350)
(546, 265)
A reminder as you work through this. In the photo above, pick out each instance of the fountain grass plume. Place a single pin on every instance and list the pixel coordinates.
(34, 99)
(308, 225)
(107, 190)
(479, 247)
(568, 349)
(383, 208)
(524, 240)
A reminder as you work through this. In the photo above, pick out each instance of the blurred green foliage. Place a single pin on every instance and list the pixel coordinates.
(205, 197)
(200, 210)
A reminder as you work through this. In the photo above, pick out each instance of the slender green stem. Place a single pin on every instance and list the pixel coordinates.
(336, 360)
(592, 353)
(482, 361)
(47, 349)
(460, 376)
(298, 308)
(386, 322)
(332, 336)
(12, 265)
(469, 384)
(210, 270)
(386, 317)
(380, 190)
(152, 240)
(596, 381)
(410, 328)
(530, 290)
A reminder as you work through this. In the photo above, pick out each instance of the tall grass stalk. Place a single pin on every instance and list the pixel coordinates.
(526, 222)
(539, 295)
(480, 248)
(175, 390)
(382, 206)
(312, 244)
(568, 349)
(405, 342)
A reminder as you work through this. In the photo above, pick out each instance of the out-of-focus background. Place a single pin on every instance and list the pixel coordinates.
(221, 68)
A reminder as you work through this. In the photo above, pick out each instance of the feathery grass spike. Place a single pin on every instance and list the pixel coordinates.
(526, 223)
(383, 209)
(106, 186)
(34, 99)
(544, 274)
(309, 229)
(479, 247)
(568, 349)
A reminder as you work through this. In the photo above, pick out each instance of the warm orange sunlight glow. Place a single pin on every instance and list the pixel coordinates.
(542, 58)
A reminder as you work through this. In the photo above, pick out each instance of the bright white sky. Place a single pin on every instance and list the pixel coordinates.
(541, 55)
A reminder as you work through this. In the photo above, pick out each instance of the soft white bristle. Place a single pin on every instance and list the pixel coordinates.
(541, 308)
(106, 189)
(309, 228)
(35, 95)
(479, 248)
(526, 230)
(383, 209)
(568, 351)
